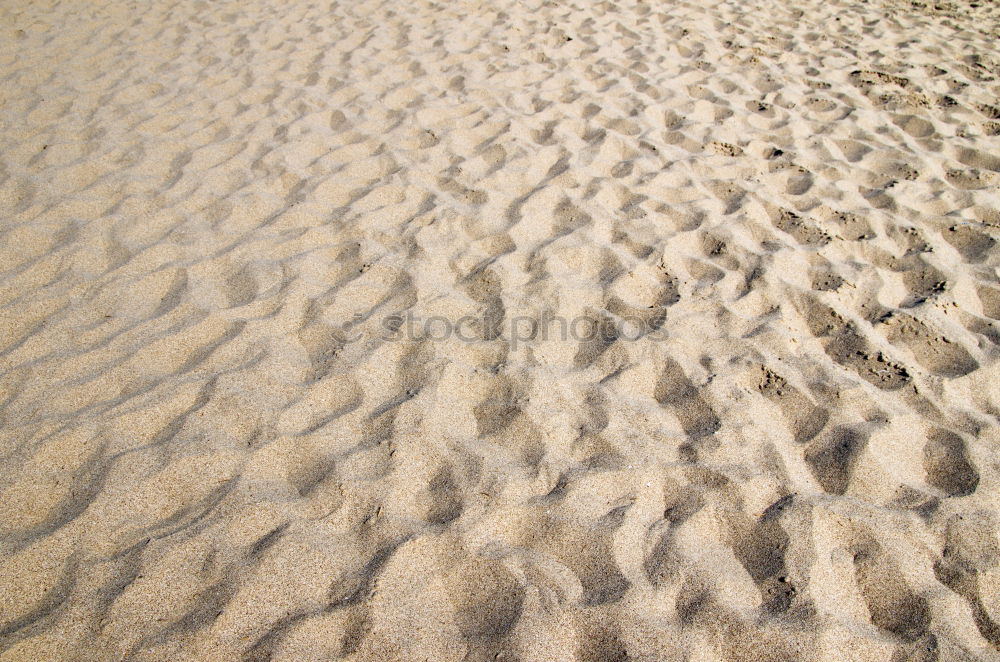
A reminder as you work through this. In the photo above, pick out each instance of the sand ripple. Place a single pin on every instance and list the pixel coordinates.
(220, 441)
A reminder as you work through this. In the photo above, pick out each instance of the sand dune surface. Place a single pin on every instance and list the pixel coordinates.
(515, 330)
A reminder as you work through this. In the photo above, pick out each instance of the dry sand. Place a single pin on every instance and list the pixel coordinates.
(213, 448)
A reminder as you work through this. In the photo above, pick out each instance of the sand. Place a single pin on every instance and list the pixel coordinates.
(500, 330)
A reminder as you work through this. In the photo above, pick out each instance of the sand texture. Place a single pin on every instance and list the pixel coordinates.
(234, 424)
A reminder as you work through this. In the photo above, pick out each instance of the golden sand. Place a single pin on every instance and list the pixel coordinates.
(514, 330)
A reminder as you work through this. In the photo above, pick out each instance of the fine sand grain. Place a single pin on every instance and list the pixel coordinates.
(512, 330)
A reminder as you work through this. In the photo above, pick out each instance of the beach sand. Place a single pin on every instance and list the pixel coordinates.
(500, 330)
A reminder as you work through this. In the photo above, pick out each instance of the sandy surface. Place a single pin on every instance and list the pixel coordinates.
(500, 330)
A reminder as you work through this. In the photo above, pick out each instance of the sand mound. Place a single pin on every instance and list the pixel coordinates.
(500, 331)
